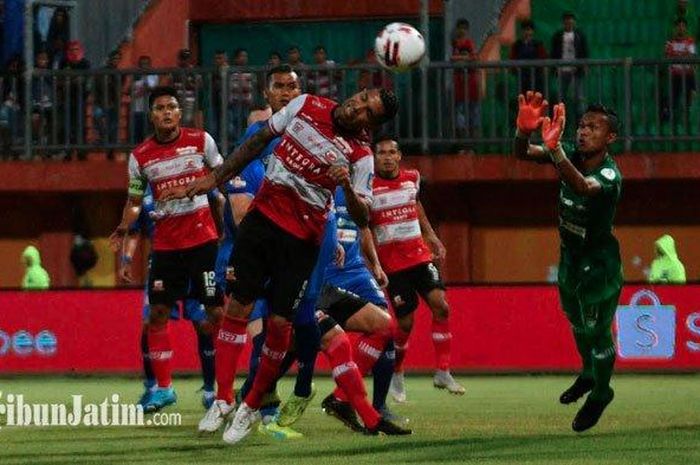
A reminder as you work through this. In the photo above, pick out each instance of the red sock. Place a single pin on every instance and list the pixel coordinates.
(442, 340)
(160, 352)
(401, 346)
(277, 339)
(348, 378)
(368, 349)
(229, 344)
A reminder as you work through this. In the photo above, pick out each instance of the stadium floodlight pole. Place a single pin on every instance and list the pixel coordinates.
(425, 30)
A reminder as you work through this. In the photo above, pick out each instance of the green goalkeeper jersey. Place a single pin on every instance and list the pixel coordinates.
(590, 265)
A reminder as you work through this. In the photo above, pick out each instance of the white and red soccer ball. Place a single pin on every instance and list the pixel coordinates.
(399, 47)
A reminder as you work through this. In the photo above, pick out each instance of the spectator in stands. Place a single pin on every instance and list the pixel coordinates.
(109, 88)
(42, 101)
(188, 85)
(324, 81)
(376, 78)
(141, 89)
(35, 276)
(529, 48)
(294, 58)
(60, 26)
(466, 83)
(240, 94)
(666, 267)
(57, 52)
(12, 102)
(274, 59)
(220, 65)
(683, 9)
(569, 43)
(682, 45)
(71, 105)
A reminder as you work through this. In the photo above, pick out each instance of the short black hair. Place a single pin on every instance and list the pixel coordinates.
(384, 137)
(293, 47)
(220, 52)
(238, 51)
(527, 24)
(283, 68)
(275, 53)
(613, 120)
(462, 22)
(319, 48)
(567, 15)
(161, 91)
(390, 104)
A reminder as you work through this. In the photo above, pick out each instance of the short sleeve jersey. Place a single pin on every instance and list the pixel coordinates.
(297, 194)
(181, 223)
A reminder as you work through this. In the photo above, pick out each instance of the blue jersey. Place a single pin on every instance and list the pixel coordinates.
(348, 235)
(266, 153)
(144, 223)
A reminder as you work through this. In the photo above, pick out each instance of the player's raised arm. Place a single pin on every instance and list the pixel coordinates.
(531, 110)
(552, 130)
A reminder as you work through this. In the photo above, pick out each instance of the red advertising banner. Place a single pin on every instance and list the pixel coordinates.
(495, 329)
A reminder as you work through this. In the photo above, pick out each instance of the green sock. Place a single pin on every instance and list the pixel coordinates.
(603, 363)
(585, 350)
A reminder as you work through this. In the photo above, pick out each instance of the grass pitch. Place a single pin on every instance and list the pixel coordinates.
(501, 420)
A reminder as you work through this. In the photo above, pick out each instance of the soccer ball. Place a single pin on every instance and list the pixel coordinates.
(399, 47)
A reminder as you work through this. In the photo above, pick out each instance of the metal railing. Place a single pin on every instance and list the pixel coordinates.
(470, 106)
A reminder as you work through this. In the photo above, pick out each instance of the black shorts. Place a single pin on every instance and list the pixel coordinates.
(268, 261)
(405, 286)
(339, 305)
(173, 271)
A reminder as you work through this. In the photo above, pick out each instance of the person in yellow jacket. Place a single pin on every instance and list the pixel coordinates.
(35, 277)
(666, 267)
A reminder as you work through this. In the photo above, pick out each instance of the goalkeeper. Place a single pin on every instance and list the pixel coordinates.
(590, 270)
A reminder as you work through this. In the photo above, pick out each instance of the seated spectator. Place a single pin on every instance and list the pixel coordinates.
(35, 276)
(682, 45)
(376, 78)
(323, 82)
(569, 43)
(666, 267)
(683, 9)
(467, 106)
(12, 102)
(529, 48)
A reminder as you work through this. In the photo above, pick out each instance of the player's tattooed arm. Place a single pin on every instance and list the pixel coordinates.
(243, 155)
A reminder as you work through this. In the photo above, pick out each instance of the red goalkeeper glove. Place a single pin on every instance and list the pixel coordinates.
(553, 128)
(531, 110)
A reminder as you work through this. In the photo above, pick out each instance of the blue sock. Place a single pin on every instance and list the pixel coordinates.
(258, 342)
(205, 347)
(307, 338)
(382, 371)
(150, 380)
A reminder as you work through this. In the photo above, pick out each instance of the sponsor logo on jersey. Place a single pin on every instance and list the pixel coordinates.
(608, 173)
(189, 150)
(230, 273)
(398, 300)
(158, 285)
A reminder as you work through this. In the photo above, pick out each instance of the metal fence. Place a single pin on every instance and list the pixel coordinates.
(467, 107)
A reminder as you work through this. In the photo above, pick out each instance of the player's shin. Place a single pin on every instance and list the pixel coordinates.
(307, 343)
(160, 352)
(348, 377)
(273, 352)
(442, 342)
(205, 348)
(382, 372)
(229, 344)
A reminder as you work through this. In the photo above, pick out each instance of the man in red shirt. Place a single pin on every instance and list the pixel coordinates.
(682, 45)
(323, 145)
(407, 246)
(467, 106)
(185, 236)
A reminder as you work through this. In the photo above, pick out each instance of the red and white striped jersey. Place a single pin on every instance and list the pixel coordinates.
(394, 222)
(180, 223)
(679, 48)
(296, 193)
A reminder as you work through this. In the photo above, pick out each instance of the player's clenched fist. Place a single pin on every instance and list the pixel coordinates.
(531, 110)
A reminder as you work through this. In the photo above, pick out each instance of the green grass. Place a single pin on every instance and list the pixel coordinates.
(501, 420)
